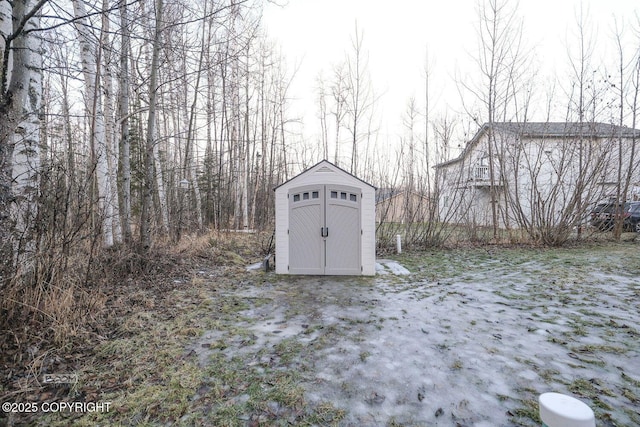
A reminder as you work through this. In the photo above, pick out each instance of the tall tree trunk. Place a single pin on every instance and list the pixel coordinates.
(158, 173)
(581, 74)
(427, 147)
(123, 113)
(111, 148)
(210, 135)
(98, 138)
(626, 166)
(246, 155)
(498, 55)
(150, 143)
(20, 103)
(322, 105)
(190, 160)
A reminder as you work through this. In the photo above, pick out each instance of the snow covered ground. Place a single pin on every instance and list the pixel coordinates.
(469, 338)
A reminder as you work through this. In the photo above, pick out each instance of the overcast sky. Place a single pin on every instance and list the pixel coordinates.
(314, 35)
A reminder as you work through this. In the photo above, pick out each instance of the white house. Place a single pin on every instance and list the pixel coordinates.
(325, 223)
(535, 173)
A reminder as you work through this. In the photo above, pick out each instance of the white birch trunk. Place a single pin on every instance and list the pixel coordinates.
(196, 193)
(6, 28)
(162, 194)
(98, 139)
(110, 142)
(25, 85)
(245, 190)
(152, 146)
(191, 152)
(246, 157)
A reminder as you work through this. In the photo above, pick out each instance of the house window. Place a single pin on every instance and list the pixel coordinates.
(315, 195)
(334, 194)
(296, 197)
(343, 196)
(353, 197)
(305, 196)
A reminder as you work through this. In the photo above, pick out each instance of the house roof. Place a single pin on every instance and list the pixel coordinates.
(549, 130)
(383, 194)
(317, 165)
(567, 129)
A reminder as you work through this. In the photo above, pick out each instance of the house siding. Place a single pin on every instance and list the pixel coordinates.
(536, 156)
(403, 208)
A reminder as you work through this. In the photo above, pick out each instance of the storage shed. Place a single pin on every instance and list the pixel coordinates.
(325, 223)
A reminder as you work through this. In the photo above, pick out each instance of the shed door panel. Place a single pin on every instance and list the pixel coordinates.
(344, 231)
(324, 230)
(306, 219)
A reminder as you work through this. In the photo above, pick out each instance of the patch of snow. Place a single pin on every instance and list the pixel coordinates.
(254, 267)
(393, 267)
(397, 269)
(458, 351)
(380, 269)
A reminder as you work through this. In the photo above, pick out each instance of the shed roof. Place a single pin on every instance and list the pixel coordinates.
(549, 130)
(328, 163)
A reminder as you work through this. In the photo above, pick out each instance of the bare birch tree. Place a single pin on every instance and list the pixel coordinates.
(360, 97)
(150, 141)
(322, 115)
(499, 46)
(99, 137)
(339, 90)
(627, 162)
(20, 102)
(586, 90)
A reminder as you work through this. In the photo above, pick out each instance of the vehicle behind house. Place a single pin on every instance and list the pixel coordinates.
(604, 215)
(632, 222)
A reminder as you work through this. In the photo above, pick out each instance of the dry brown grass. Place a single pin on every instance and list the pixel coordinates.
(226, 248)
(52, 322)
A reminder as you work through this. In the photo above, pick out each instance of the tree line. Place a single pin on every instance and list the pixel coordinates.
(130, 121)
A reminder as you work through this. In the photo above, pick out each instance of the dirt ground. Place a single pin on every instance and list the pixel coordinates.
(470, 337)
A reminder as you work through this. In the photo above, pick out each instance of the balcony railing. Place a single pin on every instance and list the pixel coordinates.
(481, 173)
(480, 177)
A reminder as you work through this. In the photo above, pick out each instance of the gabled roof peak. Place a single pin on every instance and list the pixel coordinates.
(324, 166)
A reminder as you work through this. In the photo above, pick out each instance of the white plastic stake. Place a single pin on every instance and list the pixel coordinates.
(399, 243)
(559, 410)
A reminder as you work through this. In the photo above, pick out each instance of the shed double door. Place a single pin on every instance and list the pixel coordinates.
(324, 230)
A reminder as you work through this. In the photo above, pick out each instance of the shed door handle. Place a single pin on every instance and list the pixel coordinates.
(324, 231)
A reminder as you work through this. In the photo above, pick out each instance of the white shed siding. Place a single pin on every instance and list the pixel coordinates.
(325, 173)
(282, 227)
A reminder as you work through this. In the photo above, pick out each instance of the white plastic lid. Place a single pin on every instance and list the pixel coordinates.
(559, 410)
